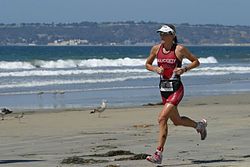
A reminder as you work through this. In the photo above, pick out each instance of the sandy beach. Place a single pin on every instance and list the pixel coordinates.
(45, 139)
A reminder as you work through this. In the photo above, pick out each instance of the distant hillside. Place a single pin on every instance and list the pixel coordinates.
(118, 33)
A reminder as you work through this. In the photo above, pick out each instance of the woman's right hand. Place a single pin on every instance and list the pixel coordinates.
(159, 70)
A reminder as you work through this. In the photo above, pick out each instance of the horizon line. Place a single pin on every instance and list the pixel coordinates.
(128, 21)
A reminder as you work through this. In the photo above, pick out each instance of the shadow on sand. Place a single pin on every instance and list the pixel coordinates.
(213, 161)
(18, 161)
(201, 162)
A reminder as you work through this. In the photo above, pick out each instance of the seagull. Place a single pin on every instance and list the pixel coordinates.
(20, 116)
(4, 111)
(101, 108)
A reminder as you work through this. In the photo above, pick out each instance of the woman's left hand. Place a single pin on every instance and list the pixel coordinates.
(179, 71)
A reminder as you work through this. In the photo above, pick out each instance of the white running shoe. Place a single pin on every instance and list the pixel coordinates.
(155, 158)
(201, 128)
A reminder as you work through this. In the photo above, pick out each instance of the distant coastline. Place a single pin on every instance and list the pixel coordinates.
(128, 33)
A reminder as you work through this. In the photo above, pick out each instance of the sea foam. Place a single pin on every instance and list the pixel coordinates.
(65, 82)
(59, 72)
(88, 63)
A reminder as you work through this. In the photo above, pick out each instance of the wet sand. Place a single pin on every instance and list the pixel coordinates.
(46, 139)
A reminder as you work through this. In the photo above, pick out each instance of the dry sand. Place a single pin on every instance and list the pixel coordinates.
(45, 139)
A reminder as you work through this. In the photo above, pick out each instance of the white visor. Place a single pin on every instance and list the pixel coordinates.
(166, 29)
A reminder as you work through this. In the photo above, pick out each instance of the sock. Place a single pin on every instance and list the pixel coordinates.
(160, 149)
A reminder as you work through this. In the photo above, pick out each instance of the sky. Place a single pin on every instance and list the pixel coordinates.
(225, 12)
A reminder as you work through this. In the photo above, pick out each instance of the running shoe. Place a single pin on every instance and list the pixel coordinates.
(155, 158)
(201, 128)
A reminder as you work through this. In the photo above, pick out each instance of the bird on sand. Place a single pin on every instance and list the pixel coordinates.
(100, 109)
(19, 116)
(4, 111)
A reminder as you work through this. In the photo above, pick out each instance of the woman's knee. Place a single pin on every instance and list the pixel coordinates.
(165, 113)
(162, 118)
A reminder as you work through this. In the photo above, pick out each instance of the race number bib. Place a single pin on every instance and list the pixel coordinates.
(166, 86)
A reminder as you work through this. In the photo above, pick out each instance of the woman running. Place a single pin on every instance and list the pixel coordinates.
(169, 55)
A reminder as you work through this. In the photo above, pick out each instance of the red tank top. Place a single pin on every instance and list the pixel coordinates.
(168, 61)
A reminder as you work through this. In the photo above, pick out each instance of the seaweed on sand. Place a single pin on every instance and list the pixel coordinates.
(79, 160)
(135, 157)
(112, 153)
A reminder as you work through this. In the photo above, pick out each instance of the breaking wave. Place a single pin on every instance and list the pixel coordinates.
(89, 63)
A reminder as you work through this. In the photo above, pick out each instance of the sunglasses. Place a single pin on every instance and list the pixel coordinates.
(165, 33)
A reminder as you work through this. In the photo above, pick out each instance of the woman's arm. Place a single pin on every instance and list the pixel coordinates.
(183, 52)
(151, 59)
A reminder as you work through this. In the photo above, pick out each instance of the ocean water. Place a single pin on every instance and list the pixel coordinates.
(41, 77)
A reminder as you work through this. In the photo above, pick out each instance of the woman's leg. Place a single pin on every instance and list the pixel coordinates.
(185, 121)
(164, 115)
(181, 120)
(163, 119)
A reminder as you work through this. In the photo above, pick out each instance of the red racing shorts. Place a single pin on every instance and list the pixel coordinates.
(174, 97)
